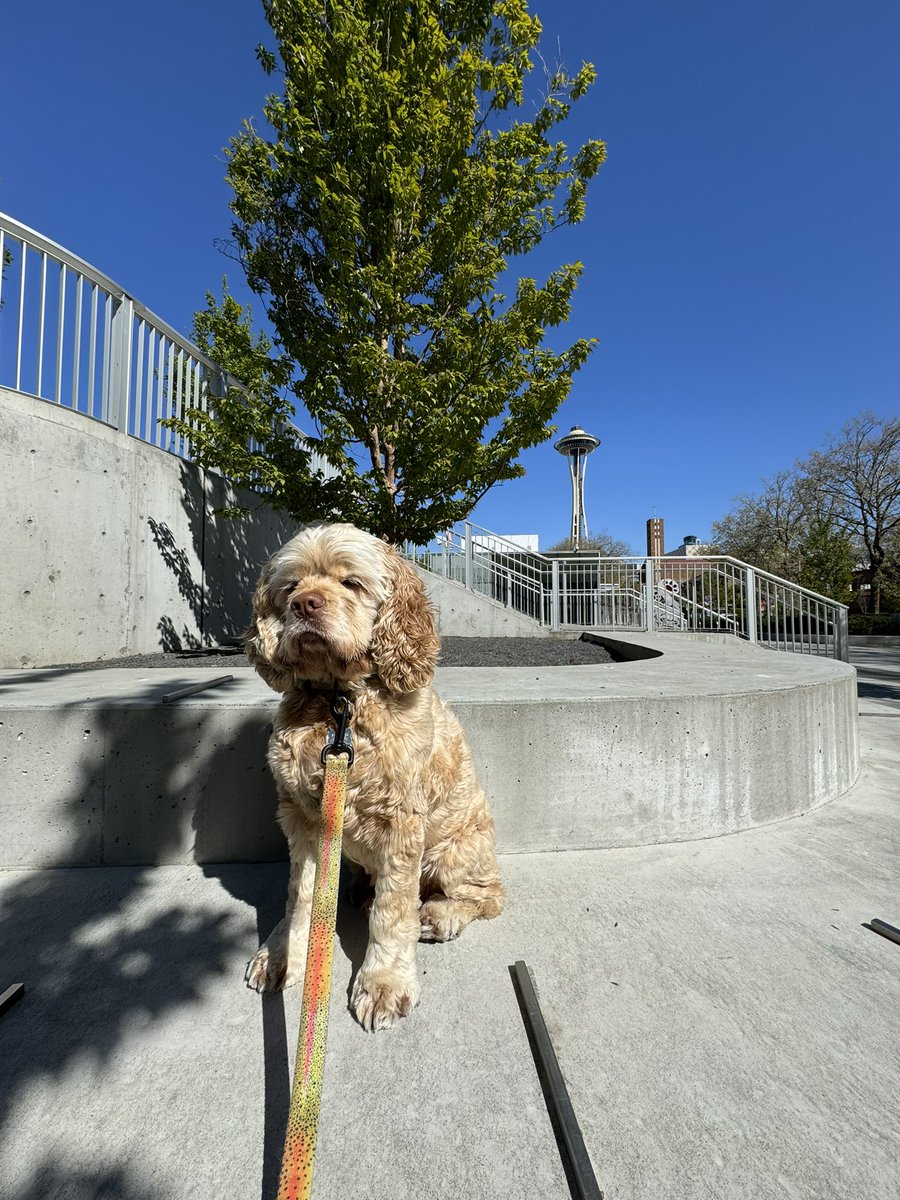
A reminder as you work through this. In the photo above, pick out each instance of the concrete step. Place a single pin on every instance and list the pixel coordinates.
(703, 739)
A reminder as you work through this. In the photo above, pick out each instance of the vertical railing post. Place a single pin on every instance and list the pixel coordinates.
(120, 362)
(750, 603)
(649, 594)
(554, 594)
(841, 635)
(470, 559)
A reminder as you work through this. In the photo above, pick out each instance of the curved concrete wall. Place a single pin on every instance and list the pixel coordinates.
(703, 740)
(111, 546)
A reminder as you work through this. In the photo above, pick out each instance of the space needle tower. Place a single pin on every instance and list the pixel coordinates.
(576, 446)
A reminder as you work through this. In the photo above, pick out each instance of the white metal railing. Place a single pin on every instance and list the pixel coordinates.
(714, 593)
(71, 335)
(490, 565)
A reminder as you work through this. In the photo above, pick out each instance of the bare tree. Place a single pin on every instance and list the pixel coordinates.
(602, 543)
(857, 477)
(767, 530)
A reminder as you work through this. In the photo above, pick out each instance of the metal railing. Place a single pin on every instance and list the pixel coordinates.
(72, 336)
(490, 565)
(709, 594)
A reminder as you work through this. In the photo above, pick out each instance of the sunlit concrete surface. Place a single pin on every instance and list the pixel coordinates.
(726, 1025)
(705, 738)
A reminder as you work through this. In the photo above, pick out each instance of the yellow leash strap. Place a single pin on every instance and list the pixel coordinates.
(295, 1182)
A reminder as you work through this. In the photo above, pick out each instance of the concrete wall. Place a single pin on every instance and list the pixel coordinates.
(112, 547)
(465, 614)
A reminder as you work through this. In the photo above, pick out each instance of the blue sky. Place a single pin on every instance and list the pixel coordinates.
(741, 249)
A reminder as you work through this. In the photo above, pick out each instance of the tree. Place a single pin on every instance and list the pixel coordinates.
(602, 543)
(858, 476)
(827, 559)
(5, 261)
(230, 433)
(839, 506)
(767, 529)
(376, 225)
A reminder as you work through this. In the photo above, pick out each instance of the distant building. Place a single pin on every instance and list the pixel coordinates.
(525, 541)
(691, 547)
(656, 538)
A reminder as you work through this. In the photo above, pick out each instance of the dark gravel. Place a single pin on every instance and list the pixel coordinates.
(455, 652)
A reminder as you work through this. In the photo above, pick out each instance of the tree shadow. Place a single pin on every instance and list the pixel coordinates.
(115, 1182)
(217, 579)
(98, 950)
(878, 691)
(266, 894)
(150, 787)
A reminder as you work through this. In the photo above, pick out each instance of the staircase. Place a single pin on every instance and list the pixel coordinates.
(703, 594)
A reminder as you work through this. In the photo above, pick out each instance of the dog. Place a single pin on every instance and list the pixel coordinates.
(336, 607)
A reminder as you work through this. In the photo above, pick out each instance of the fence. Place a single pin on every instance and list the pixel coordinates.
(70, 335)
(711, 594)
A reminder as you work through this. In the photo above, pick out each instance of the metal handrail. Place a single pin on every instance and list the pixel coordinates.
(80, 340)
(44, 245)
(760, 573)
(712, 593)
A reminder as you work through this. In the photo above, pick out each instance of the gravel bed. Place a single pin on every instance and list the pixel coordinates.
(455, 652)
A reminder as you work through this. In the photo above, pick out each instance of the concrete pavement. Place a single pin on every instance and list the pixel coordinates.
(726, 1026)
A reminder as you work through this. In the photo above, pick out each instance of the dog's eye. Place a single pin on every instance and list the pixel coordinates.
(290, 585)
(353, 584)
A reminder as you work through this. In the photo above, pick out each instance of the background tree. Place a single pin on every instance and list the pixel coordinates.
(827, 558)
(857, 475)
(376, 225)
(600, 542)
(835, 509)
(5, 261)
(766, 530)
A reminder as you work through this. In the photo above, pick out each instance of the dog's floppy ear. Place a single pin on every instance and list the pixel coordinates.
(405, 644)
(263, 632)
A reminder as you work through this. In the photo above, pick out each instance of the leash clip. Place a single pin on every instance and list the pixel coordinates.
(339, 740)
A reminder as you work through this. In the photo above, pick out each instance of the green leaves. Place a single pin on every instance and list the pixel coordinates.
(374, 225)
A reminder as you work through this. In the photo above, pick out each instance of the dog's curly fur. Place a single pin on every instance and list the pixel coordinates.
(337, 606)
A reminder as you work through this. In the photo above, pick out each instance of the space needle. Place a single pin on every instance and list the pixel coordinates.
(576, 446)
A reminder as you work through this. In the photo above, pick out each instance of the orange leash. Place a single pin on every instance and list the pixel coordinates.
(295, 1182)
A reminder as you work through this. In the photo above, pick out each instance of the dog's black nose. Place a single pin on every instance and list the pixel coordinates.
(308, 604)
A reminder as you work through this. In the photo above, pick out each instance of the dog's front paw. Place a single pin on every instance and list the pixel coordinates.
(442, 920)
(381, 998)
(279, 963)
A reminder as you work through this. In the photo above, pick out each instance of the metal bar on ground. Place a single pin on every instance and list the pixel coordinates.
(193, 688)
(13, 993)
(887, 931)
(576, 1161)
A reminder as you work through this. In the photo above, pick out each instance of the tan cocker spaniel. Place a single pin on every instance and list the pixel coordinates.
(337, 606)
